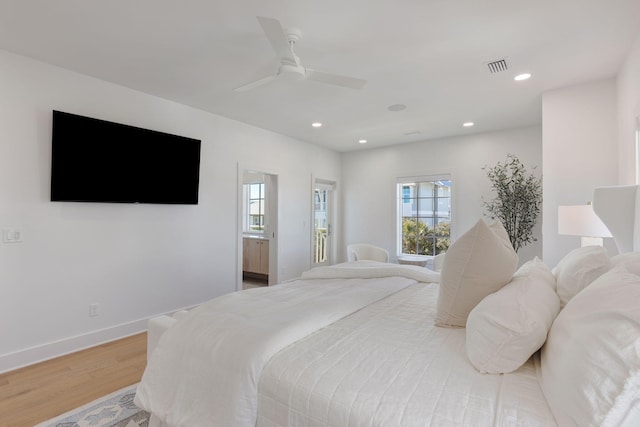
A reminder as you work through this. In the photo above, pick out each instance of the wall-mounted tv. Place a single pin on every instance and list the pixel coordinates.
(99, 161)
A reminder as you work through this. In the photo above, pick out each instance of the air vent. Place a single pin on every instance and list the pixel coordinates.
(497, 66)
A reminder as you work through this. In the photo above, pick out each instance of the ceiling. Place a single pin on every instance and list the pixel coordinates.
(430, 55)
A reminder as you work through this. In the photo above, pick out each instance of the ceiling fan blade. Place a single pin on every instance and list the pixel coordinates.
(260, 82)
(277, 37)
(335, 79)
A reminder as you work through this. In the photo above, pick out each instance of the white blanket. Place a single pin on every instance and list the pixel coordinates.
(388, 366)
(372, 269)
(205, 369)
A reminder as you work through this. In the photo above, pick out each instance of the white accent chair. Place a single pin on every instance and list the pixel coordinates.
(365, 251)
(438, 260)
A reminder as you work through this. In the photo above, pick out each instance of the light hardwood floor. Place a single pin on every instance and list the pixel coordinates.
(39, 392)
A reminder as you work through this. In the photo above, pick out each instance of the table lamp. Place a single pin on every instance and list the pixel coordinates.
(581, 220)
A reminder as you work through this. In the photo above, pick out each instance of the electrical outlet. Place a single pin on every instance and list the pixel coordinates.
(11, 235)
(94, 310)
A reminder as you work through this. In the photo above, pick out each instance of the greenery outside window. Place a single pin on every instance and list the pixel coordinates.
(424, 215)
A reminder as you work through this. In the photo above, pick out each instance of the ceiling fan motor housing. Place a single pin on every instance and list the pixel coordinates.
(291, 72)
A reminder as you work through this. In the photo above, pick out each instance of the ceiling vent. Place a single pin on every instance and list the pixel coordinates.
(498, 66)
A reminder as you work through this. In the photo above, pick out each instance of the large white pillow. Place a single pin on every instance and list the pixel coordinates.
(631, 260)
(590, 364)
(478, 263)
(508, 326)
(578, 269)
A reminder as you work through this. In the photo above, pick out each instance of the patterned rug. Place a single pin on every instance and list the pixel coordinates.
(115, 410)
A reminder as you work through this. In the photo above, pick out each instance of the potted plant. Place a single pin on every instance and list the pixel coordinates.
(518, 200)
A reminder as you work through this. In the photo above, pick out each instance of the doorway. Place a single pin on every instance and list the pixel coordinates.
(258, 229)
(322, 238)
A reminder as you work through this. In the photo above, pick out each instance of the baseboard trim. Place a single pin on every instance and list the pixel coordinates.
(41, 353)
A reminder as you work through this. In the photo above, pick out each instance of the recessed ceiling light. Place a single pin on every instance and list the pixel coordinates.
(316, 124)
(362, 141)
(468, 124)
(520, 77)
(396, 107)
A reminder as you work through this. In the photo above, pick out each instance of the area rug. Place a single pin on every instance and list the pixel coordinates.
(114, 410)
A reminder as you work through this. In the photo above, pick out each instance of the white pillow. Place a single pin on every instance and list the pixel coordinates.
(631, 260)
(590, 364)
(578, 269)
(478, 263)
(508, 326)
(539, 270)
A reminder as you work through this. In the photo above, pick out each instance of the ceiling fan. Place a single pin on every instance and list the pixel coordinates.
(282, 42)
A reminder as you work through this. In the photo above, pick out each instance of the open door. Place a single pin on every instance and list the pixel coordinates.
(322, 238)
(271, 224)
(257, 228)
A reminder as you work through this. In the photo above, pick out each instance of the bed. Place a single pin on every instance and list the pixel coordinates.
(363, 343)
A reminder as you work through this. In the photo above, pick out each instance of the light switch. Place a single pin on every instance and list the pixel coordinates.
(11, 235)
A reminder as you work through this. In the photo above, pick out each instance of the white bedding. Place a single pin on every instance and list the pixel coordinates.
(205, 369)
(372, 269)
(387, 365)
(339, 351)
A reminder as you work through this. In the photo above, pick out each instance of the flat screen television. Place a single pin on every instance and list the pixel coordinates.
(99, 161)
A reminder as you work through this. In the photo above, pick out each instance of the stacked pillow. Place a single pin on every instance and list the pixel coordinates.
(590, 364)
(631, 260)
(508, 316)
(508, 326)
(478, 263)
(578, 269)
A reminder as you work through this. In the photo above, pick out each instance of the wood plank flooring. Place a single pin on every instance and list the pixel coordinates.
(39, 392)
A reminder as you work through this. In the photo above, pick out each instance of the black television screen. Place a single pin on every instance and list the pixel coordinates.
(99, 161)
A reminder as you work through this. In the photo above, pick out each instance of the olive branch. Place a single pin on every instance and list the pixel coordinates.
(518, 200)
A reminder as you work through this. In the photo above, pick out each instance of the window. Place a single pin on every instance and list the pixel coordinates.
(254, 196)
(424, 215)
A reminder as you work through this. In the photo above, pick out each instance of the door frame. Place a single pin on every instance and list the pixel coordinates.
(331, 248)
(271, 214)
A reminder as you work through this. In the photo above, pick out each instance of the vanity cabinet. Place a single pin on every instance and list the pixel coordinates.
(255, 255)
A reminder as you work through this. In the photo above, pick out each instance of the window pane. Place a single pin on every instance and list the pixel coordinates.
(425, 207)
(425, 189)
(444, 207)
(406, 194)
(255, 191)
(409, 209)
(425, 212)
(427, 225)
(255, 207)
(444, 189)
(410, 232)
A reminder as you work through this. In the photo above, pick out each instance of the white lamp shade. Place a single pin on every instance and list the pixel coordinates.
(581, 220)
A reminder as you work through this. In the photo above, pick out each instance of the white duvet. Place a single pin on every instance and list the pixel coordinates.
(339, 351)
(205, 369)
(388, 365)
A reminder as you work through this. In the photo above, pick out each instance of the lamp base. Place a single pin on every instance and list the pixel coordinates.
(591, 241)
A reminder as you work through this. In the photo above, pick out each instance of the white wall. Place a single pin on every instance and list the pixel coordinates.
(369, 177)
(136, 261)
(579, 152)
(628, 91)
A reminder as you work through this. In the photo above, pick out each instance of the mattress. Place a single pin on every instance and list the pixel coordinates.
(388, 365)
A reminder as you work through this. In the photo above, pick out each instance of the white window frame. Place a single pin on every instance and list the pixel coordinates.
(246, 217)
(400, 182)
